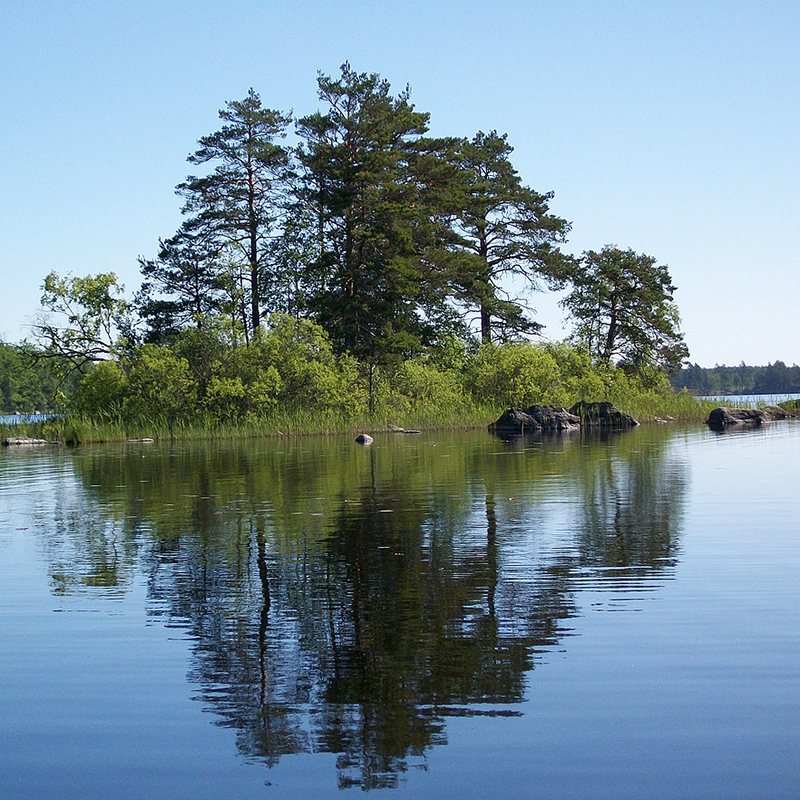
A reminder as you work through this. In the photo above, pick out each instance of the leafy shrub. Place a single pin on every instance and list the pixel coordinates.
(516, 374)
(160, 387)
(101, 392)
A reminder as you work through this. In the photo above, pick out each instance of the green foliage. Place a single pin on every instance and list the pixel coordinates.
(101, 392)
(84, 318)
(419, 386)
(579, 379)
(622, 306)
(160, 387)
(309, 374)
(514, 374)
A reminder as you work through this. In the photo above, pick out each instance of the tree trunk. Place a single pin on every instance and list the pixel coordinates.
(372, 387)
(486, 325)
(253, 224)
(612, 331)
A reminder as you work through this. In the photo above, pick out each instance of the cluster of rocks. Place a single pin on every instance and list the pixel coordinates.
(536, 419)
(724, 416)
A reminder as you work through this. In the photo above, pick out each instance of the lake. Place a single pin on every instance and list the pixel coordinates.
(20, 419)
(444, 615)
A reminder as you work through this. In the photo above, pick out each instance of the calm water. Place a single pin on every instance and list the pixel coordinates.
(436, 616)
(752, 400)
(19, 419)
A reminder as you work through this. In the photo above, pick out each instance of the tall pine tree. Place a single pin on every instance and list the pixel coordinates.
(498, 228)
(235, 207)
(363, 157)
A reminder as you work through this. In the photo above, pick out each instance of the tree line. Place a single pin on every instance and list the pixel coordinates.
(774, 378)
(387, 243)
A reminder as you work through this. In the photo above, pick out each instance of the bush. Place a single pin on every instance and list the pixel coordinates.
(516, 374)
(160, 387)
(101, 392)
(310, 376)
(418, 386)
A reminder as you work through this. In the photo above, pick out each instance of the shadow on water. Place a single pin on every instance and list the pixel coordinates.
(348, 600)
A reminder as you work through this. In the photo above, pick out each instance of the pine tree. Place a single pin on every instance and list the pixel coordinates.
(622, 304)
(363, 157)
(497, 227)
(236, 206)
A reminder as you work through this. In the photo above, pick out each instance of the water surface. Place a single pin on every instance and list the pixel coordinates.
(438, 615)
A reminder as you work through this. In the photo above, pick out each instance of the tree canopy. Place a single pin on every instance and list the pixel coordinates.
(387, 237)
(235, 207)
(391, 250)
(622, 305)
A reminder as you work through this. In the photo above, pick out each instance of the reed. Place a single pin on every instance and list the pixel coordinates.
(646, 406)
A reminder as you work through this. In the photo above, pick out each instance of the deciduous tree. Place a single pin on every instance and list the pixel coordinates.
(83, 318)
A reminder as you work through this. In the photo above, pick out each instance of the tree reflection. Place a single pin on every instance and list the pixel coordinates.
(632, 509)
(349, 601)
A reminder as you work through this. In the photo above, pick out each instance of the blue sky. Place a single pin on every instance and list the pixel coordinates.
(667, 127)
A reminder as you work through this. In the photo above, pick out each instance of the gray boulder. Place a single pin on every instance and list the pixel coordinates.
(725, 415)
(535, 419)
(364, 438)
(602, 415)
(23, 441)
(778, 412)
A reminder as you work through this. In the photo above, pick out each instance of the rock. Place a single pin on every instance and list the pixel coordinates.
(725, 415)
(364, 438)
(602, 415)
(140, 441)
(23, 440)
(534, 419)
(778, 412)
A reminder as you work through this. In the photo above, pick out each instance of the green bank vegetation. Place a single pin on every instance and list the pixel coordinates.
(290, 380)
(345, 270)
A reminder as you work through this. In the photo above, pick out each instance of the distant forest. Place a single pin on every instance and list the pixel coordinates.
(775, 378)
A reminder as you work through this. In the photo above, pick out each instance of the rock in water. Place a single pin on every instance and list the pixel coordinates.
(535, 419)
(725, 415)
(23, 440)
(364, 438)
(778, 412)
(602, 415)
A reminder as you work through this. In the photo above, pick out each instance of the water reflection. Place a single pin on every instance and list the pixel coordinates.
(348, 601)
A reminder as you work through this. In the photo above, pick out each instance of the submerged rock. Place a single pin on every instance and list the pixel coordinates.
(725, 415)
(534, 419)
(602, 415)
(364, 438)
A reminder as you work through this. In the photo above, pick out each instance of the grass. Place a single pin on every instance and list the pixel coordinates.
(73, 430)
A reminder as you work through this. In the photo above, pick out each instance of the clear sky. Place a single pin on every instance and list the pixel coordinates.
(671, 128)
